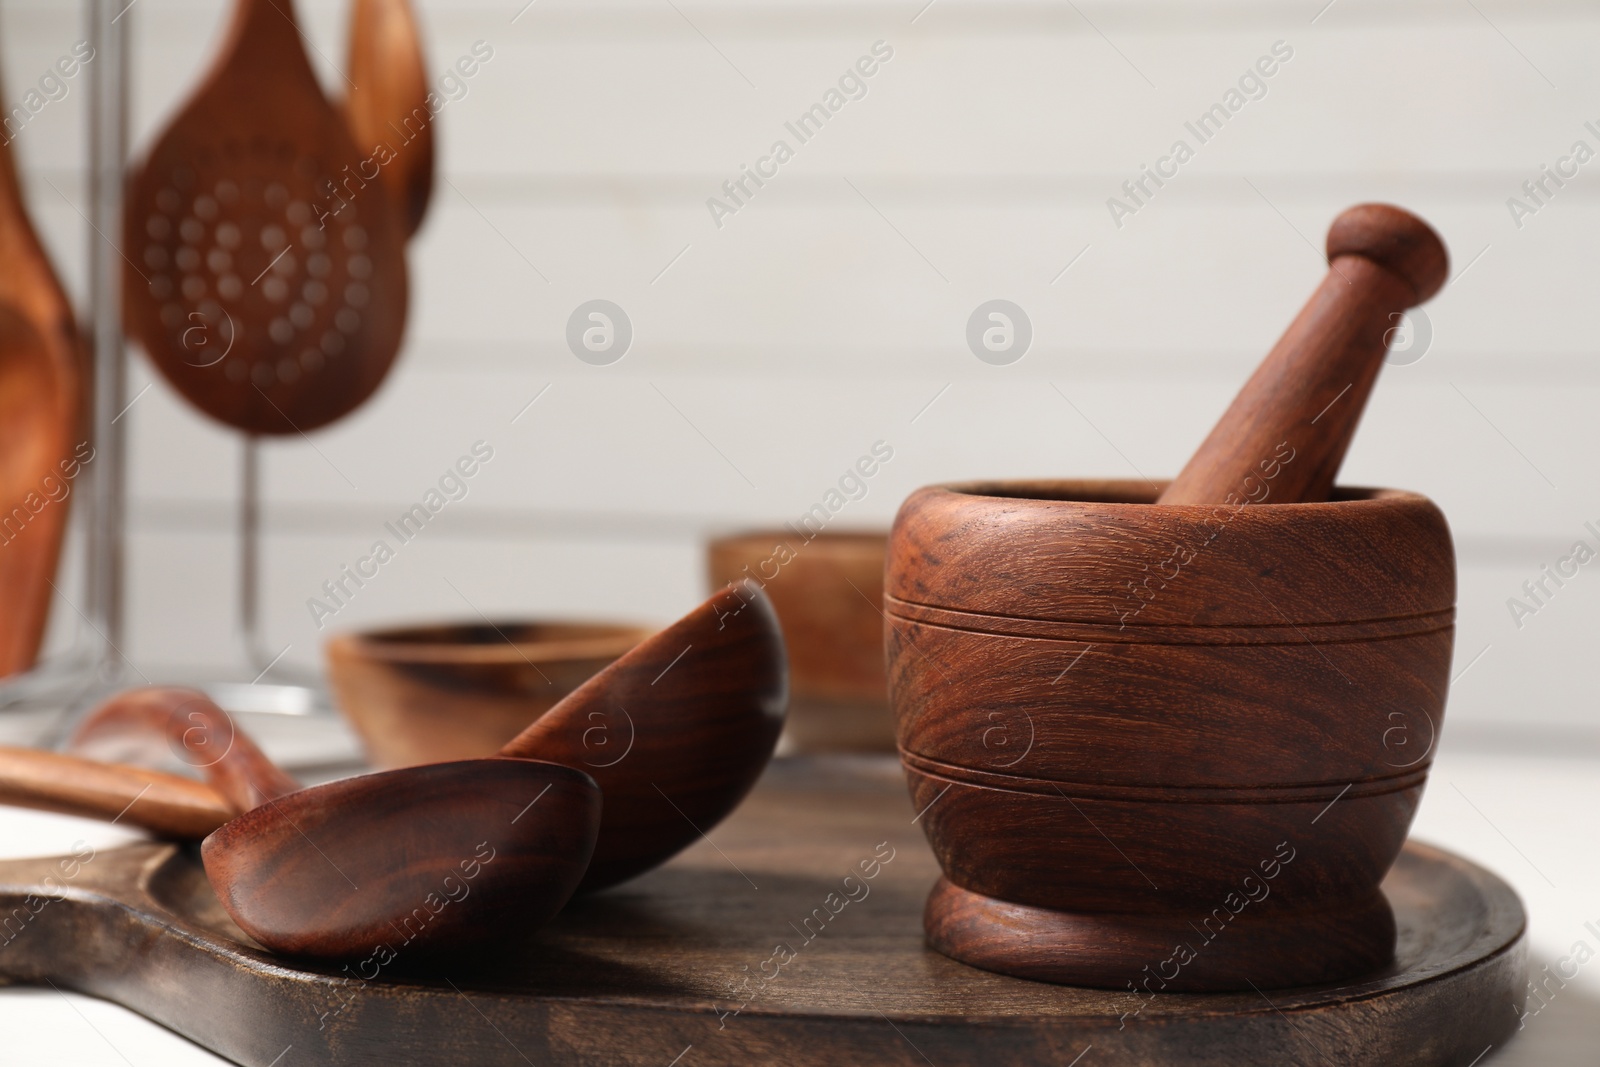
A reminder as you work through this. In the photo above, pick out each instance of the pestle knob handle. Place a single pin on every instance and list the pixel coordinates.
(1285, 435)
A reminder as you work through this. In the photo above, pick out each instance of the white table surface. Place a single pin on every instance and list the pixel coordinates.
(1527, 815)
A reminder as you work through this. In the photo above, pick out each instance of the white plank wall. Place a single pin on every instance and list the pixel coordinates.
(825, 315)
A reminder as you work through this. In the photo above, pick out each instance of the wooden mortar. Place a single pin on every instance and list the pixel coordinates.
(1176, 746)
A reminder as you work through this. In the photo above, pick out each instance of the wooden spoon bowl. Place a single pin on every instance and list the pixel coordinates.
(450, 858)
(676, 732)
(1112, 712)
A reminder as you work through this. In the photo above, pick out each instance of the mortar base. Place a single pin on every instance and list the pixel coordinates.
(1155, 952)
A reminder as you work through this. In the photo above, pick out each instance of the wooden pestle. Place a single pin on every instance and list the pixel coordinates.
(1286, 432)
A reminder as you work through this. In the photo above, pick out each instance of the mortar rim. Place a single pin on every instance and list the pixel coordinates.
(1344, 495)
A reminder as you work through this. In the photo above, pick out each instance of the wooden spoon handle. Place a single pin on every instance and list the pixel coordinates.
(261, 35)
(1286, 433)
(184, 722)
(164, 804)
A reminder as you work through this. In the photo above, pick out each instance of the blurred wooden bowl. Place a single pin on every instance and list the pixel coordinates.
(828, 593)
(427, 694)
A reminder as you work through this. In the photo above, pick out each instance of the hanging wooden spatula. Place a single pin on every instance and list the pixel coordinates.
(389, 104)
(41, 417)
(266, 278)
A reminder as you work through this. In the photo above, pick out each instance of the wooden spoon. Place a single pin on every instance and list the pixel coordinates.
(386, 859)
(363, 867)
(676, 732)
(389, 104)
(41, 416)
(1305, 399)
(266, 275)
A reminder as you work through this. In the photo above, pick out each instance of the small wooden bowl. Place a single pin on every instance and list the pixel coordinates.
(428, 694)
(828, 593)
(1122, 722)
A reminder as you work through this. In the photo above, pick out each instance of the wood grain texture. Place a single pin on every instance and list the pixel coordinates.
(828, 594)
(150, 722)
(1117, 709)
(164, 804)
(389, 104)
(42, 397)
(266, 276)
(444, 859)
(676, 731)
(640, 973)
(1307, 396)
(422, 694)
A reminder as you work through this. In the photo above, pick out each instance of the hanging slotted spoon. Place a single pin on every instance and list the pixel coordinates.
(266, 277)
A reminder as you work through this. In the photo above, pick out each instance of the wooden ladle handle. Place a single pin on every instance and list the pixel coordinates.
(164, 804)
(389, 91)
(186, 723)
(1286, 433)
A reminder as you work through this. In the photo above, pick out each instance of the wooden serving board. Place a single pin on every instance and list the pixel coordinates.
(769, 946)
